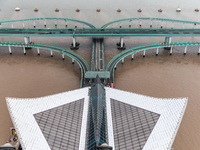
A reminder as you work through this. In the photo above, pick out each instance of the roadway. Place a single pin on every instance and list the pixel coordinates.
(99, 33)
(98, 55)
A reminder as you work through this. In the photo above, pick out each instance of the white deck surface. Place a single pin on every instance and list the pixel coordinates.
(22, 110)
(171, 112)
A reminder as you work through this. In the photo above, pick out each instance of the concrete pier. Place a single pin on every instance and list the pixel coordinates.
(45, 24)
(157, 50)
(27, 40)
(151, 25)
(121, 41)
(122, 60)
(74, 45)
(140, 23)
(129, 24)
(63, 56)
(24, 49)
(10, 51)
(38, 51)
(185, 50)
(132, 56)
(74, 42)
(168, 40)
(171, 49)
(121, 44)
(144, 53)
(51, 53)
(66, 24)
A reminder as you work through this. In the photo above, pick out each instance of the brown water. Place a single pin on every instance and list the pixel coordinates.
(167, 77)
(162, 76)
(32, 76)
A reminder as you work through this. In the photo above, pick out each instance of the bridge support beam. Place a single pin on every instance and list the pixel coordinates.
(63, 56)
(45, 24)
(171, 49)
(129, 24)
(140, 23)
(132, 56)
(51, 53)
(185, 50)
(151, 25)
(157, 50)
(121, 41)
(144, 53)
(168, 40)
(74, 45)
(24, 49)
(38, 51)
(121, 44)
(122, 60)
(27, 40)
(66, 24)
(10, 51)
(199, 51)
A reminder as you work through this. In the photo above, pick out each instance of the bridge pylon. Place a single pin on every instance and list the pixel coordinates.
(27, 40)
(121, 44)
(168, 40)
(74, 45)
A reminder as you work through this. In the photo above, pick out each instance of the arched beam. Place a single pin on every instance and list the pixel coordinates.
(64, 19)
(116, 59)
(81, 62)
(147, 18)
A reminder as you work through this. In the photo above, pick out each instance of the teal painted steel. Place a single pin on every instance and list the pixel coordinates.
(81, 62)
(116, 59)
(147, 18)
(64, 19)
